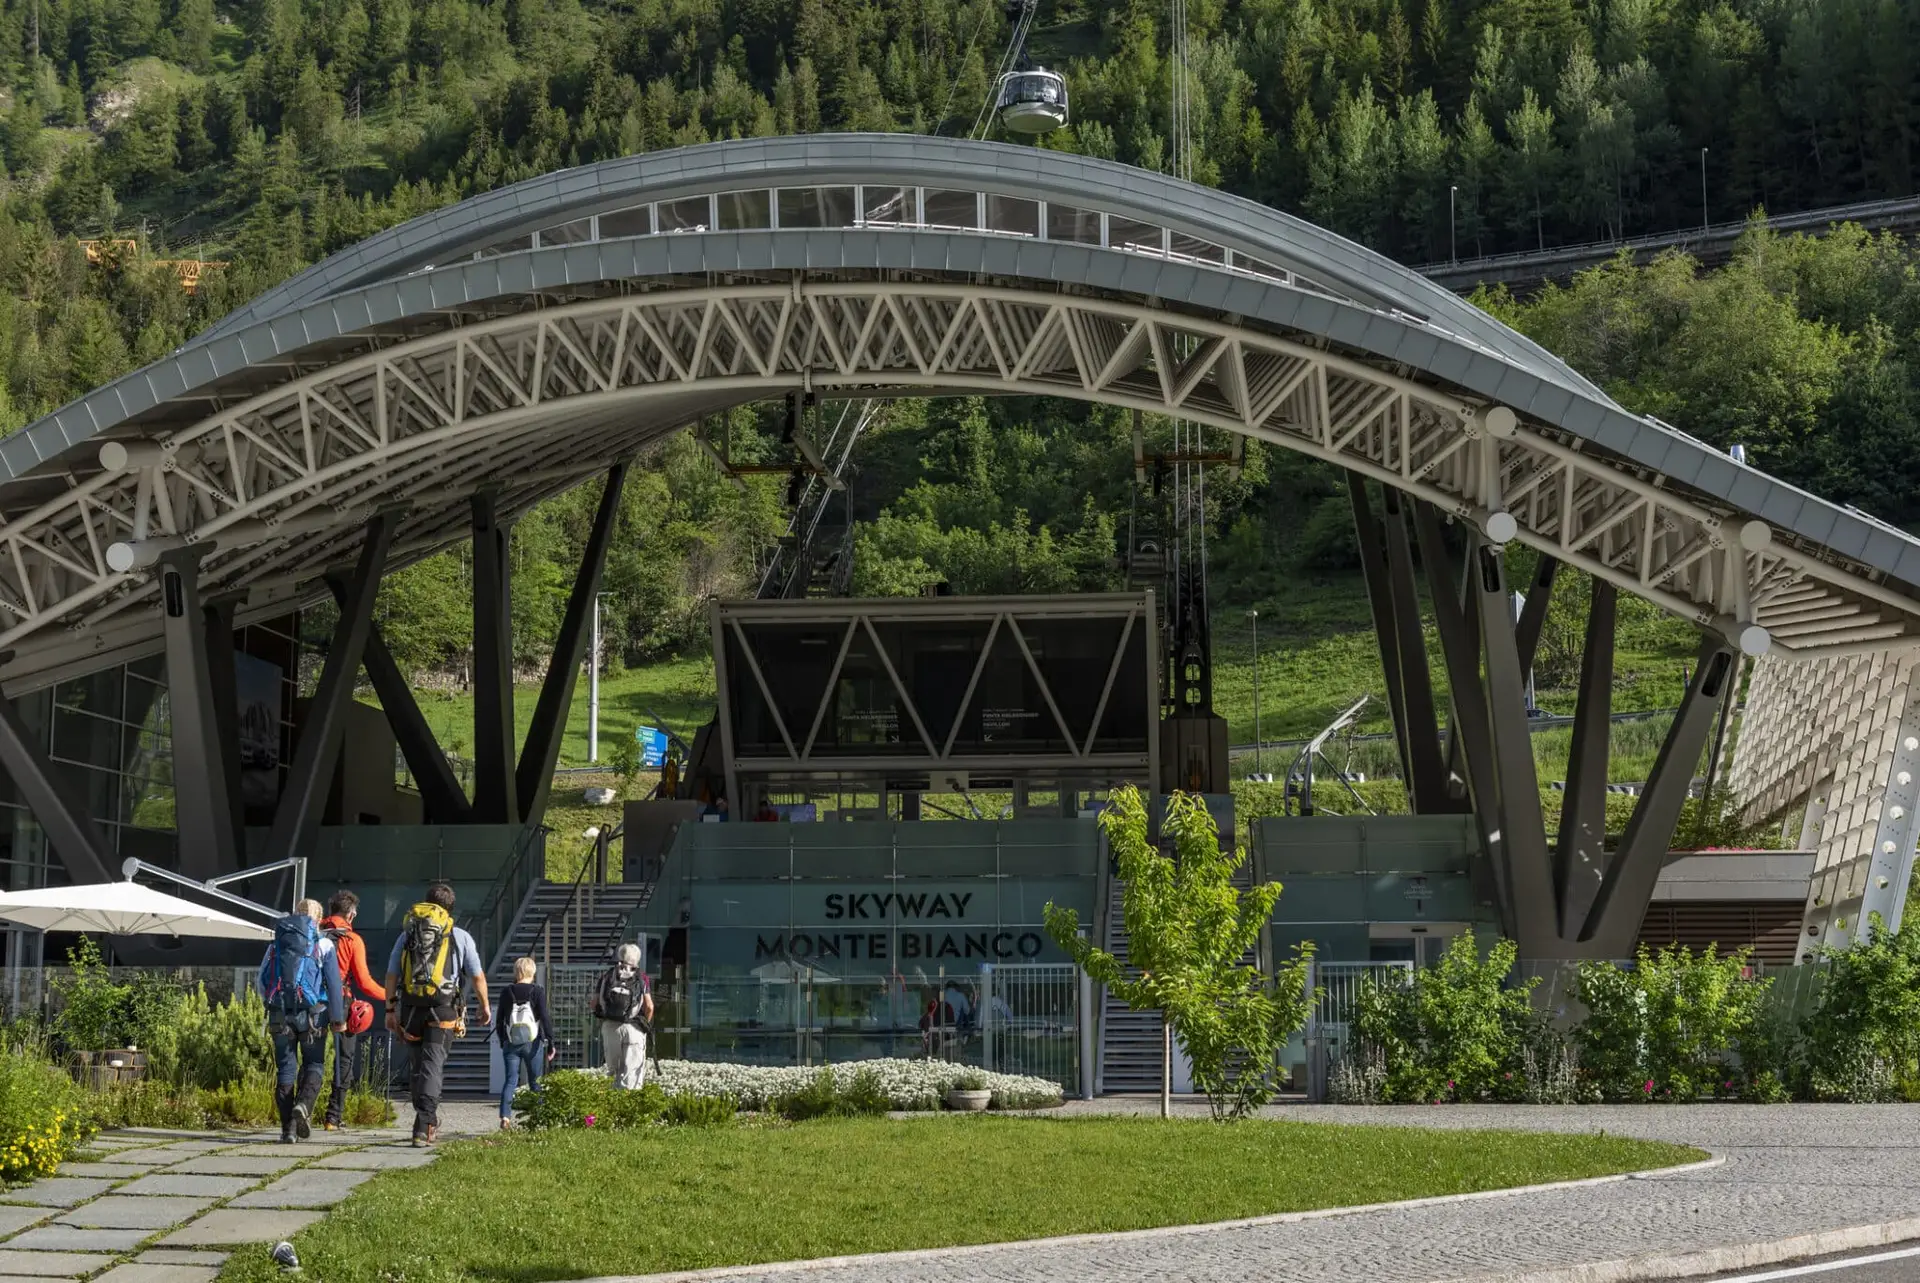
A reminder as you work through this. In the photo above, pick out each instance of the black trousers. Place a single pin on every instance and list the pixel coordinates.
(429, 1061)
(347, 1052)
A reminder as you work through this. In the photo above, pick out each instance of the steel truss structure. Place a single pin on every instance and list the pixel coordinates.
(428, 386)
(930, 758)
(267, 488)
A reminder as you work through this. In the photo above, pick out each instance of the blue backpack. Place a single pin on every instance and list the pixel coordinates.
(291, 975)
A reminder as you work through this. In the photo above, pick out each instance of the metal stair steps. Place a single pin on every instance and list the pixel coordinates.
(600, 909)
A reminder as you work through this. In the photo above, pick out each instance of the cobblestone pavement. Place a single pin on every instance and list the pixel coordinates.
(1790, 1170)
(145, 1205)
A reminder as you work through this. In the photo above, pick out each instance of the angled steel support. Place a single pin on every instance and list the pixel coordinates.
(1533, 615)
(1613, 924)
(1521, 833)
(226, 711)
(1471, 733)
(441, 796)
(1373, 567)
(76, 839)
(494, 786)
(203, 802)
(297, 818)
(1428, 791)
(1580, 857)
(542, 749)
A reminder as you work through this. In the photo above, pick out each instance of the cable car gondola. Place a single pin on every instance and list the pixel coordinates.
(1032, 101)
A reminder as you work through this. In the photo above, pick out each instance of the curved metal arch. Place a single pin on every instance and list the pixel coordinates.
(1354, 273)
(498, 382)
(1047, 317)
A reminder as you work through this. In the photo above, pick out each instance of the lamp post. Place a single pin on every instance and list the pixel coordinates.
(1453, 226)
(1254, 616)
(593, 685)
(1703, 191)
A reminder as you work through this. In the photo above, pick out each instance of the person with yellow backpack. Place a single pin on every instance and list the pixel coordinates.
(432, 962)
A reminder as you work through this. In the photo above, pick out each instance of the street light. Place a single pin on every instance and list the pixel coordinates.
(1703, 191)
(1254, 615)
(1453, 232)
(593, 686)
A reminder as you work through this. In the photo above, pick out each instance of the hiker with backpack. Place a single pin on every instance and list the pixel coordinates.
(350, 951)
(432, 962)
(623, 1003)
(526, 1036)
(301, 981)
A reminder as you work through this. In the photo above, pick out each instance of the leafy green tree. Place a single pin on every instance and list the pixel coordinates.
(1189, 935)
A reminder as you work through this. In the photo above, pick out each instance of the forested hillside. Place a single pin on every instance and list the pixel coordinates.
(267, 134)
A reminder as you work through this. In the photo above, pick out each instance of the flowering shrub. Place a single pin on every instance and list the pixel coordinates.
(906, 1084)
(42, 1119)
(1456, 1033)
(588, 1098)
(1677, 1026)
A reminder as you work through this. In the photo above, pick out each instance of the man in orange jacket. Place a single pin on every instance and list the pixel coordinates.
(359, 985)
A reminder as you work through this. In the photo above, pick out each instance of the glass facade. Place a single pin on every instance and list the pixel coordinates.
(110, 734)
(821, 943)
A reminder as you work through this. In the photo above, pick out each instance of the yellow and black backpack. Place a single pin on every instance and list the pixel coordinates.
(429, 964)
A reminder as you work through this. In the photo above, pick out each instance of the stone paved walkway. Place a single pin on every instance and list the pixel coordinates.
(1790, 1170)
(146, 1205)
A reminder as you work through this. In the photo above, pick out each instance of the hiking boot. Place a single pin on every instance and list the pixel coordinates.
(433, 1134)
(332, 1126)
(302, 1121)
(286, 1137)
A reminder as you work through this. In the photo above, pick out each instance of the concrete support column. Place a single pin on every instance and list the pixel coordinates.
(203, 800)
(441, 796)
(495, 794)
(226, 714)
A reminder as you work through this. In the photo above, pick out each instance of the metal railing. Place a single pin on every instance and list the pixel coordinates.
(488, 924)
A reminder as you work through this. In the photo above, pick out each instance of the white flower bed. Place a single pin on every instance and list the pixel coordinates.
(909, 1084)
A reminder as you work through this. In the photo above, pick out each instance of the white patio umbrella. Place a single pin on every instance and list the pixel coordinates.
(122, 909)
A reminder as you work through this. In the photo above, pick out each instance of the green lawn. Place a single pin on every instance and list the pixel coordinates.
(578, 1204)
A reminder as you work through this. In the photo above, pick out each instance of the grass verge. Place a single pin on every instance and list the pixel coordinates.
(578, 1204)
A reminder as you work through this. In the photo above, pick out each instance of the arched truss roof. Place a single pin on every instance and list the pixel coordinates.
(370, 383)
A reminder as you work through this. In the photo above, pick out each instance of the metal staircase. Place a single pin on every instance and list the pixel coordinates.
(558, 923)
(1131, 1041)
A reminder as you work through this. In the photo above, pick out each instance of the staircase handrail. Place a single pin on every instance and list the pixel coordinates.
(573, 896)
(510, 885)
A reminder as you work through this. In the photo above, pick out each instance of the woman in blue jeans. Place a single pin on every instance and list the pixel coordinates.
(526, 1036)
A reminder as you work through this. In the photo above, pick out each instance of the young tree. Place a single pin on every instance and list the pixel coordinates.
(1189, 932)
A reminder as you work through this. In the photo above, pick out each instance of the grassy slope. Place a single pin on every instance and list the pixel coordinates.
(688, 1199)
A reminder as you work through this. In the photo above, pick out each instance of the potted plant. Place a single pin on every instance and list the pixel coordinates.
(969, 1092)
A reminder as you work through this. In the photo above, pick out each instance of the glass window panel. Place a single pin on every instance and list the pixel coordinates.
(740, 210)
(1260, 267)
(513, 246)
(92, 741)
(690, 215)
(581, 229)
(637, 221)
(1011, 214)
(153, 668)
(1194, 247)
(887, 204)
(951, 208)
(95, 693)
(817, 206)
(1126, 233)
(1065, 223)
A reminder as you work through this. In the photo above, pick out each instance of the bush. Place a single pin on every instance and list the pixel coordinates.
(244, 1102)
(1676, 1026)
(213, 1046)
(824, 1097)
(1861, 1040)
(906, 1084)
(1456, 1033)
(688, 1110)
(90, 1003)
(43, 1117)
(144, 1104)
(586, 1098)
